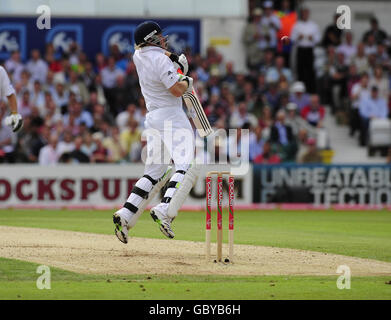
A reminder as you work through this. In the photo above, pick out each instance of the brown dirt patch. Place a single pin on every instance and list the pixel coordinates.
(104, 254)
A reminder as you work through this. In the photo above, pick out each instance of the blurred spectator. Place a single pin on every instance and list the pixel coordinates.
(76, 116)
(347, 48)
(25, 82)
(332, 34)
(122, 118)
(273, 96)
(88, 76)
(50, 113)
(24, 104)
(256, 143)
(379, 80)
(78, 87)
(253, 36)
(353, 78)
(266, 118)
(122, 97)
(360, 91)
(88, 147)
(288, 18)
(268, 61)
(302, 138)
(378, 34)
(38, 97)
(113, 144)
(314, 112)
(99, 115)
(268, 156)
(100, 62)
(360, 59)
(281, 137)
(100, 154)
(77, 155)
(66, 145)
(312, 154)
(54, 65)
(370, 46)
(60, 95)
(241, 116)
(299, 96)
(14, 66)
(32, 140)
(229, 76)
(372, 107)
(48, 155)
(49, 85)
(275, 73)
(382, 57)
(37, 67)
(130, 136)
(338, 76)
(305, 35)
(109, 75)
(271, 24)
(292, 118)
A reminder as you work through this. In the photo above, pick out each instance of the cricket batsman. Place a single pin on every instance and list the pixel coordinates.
(14, 120)
(162, 87)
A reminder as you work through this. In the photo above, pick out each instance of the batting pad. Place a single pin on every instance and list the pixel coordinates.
(181, 193)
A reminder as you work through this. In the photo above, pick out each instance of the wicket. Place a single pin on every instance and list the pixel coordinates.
(231, 195)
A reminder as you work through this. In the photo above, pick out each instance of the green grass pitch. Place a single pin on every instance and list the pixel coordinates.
(360, 233)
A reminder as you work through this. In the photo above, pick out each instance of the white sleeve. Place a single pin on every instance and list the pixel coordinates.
(316, 33)
(42, 158)
(167, 73)
(6, 88)
(355, 89)
(295, 32)
(276, 22)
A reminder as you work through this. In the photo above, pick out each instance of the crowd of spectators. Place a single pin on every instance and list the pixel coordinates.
(77, 109)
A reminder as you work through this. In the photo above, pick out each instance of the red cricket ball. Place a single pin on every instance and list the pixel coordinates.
(285, 40)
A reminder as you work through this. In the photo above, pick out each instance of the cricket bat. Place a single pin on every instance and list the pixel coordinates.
(196, 111)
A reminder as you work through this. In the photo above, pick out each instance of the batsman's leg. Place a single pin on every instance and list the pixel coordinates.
(183, 179)
(142, 193)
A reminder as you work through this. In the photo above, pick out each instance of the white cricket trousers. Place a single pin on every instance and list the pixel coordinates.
(169, 135)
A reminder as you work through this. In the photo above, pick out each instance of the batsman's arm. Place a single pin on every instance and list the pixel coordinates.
(12, 103)
(184, 84)
(15, 120)
(6, 90)
(179, 88)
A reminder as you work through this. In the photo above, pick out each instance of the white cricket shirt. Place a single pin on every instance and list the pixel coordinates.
(6, 88)
(307, 29)
(156, 74)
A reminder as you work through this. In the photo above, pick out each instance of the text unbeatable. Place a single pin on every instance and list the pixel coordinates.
(198, 309)
(65, 189)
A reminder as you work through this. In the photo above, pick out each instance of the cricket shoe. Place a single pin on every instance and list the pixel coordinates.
(121, 227)
(163, 221)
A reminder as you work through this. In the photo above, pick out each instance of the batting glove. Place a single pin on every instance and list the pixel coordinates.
(180, 62)
(189, 81)
(15, 121)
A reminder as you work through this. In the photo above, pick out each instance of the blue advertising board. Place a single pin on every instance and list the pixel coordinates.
(322, 184)
(92, 34)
